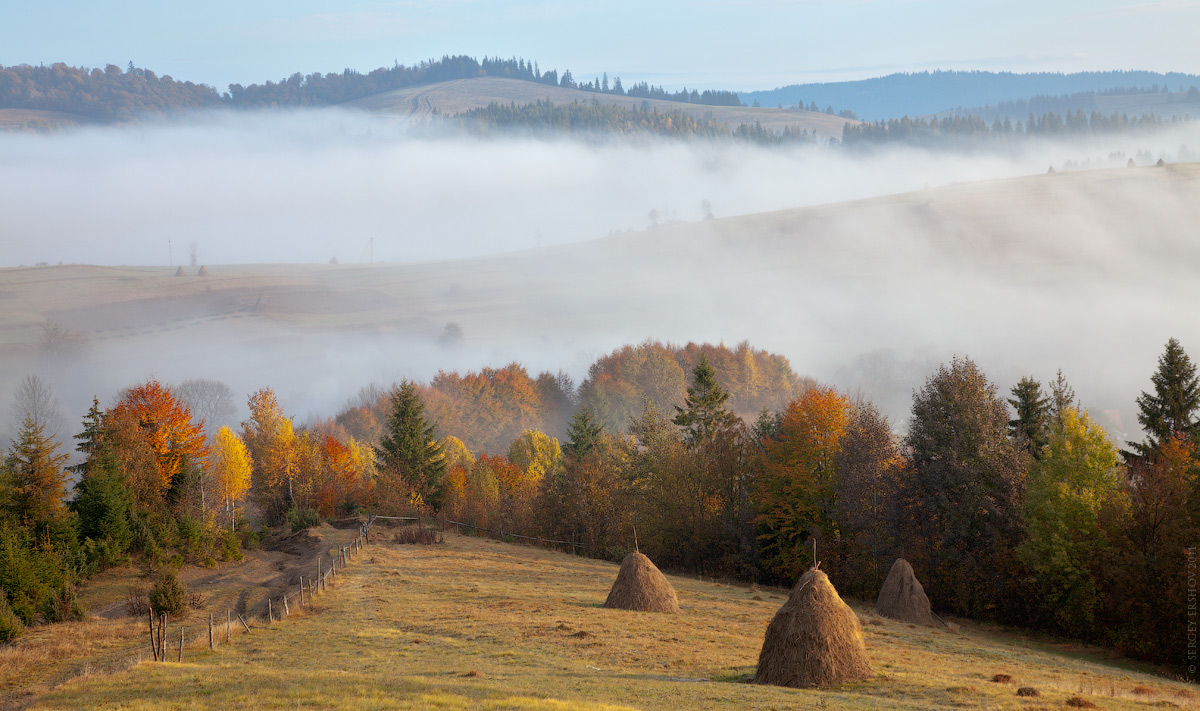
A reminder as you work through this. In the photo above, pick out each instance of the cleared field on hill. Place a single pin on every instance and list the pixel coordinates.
(479, 624)
(1046, 267)
(462, 95)
(24, 118)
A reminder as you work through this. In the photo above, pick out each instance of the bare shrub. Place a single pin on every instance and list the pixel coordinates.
(1078, 702)
(1002, 678)
(1027, 691)
(137, 602)
(197, 601)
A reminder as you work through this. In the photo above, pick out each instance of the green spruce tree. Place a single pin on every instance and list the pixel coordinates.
(582, 434)
(1030, 428)
(1171, 410)
(37, 477)
(704, 408)
(408, 447)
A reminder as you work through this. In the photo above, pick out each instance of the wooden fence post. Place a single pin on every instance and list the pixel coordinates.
(153, 644)
(243, 623)
(301, 591)
(270, 612)
(228, 628)
(320, 578)
(162, 637)
(211, 646)
(180, 660)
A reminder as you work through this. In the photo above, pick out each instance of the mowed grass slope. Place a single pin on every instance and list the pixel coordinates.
(462, 95)
(478, 624)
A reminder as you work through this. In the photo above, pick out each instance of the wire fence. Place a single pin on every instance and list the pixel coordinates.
(275, 608)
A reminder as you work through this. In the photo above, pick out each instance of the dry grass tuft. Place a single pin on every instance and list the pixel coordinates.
(1002, 678)
(641, 586)
(473, 674)
(1078, 702)
(412, 535)
(1185, 694)
(813, 640)
(1142, 690)
(1027, 691)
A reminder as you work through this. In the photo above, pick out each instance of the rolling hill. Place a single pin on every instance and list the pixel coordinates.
(1026, 275)
(474, 623)
(927, 93)
(462, 95)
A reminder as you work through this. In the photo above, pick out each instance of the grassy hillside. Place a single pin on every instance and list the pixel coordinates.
(461, 95)
(819, 285)
(22, 119)
(478, 624)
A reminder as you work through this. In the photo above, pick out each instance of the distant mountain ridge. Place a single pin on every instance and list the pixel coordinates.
(927, 93)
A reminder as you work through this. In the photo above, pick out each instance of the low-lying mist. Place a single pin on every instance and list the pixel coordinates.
(305, 187)
(1087, 272)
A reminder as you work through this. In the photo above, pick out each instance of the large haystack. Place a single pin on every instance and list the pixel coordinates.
(641, 586)
(180, 272)
(203, 271)
(813, 640)
(902, 597)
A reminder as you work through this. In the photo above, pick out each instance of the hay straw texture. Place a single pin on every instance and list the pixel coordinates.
(641, 586)
(813, 640)
(902, 597)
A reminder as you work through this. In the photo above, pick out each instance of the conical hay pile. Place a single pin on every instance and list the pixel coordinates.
(641, 586)
(902, 597)
(813, 640)
(203, 271)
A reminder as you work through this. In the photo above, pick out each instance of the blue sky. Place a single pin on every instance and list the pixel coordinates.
(747, 45)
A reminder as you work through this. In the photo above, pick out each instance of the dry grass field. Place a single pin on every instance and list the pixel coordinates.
(473, 623)
(462, 95)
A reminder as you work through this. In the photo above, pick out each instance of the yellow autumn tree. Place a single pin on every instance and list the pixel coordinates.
(230, 466)
(272, 443)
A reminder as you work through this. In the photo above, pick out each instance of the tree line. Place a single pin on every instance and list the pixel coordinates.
(972, 131)
(113, 94)
(1018, 509)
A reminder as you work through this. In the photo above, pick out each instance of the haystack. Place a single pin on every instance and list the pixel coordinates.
(180, 272)
(813, 640)
(203, 271)
(902, 597)
(641, 586)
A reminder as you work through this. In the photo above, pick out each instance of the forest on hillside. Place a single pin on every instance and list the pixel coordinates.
(1015, 507)
(113, 94)
(928, 93)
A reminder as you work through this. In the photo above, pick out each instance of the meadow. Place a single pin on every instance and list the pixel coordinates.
(475, 623)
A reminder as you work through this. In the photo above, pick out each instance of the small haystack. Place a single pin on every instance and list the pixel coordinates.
(641, 586)
(334, 261)
(902, 597)
(180, 272)
(1161, 163)
(1131, 164)
(813, 640)
(203, 271)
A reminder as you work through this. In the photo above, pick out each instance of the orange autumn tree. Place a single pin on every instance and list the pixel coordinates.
(165, 425)
(795, 490)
